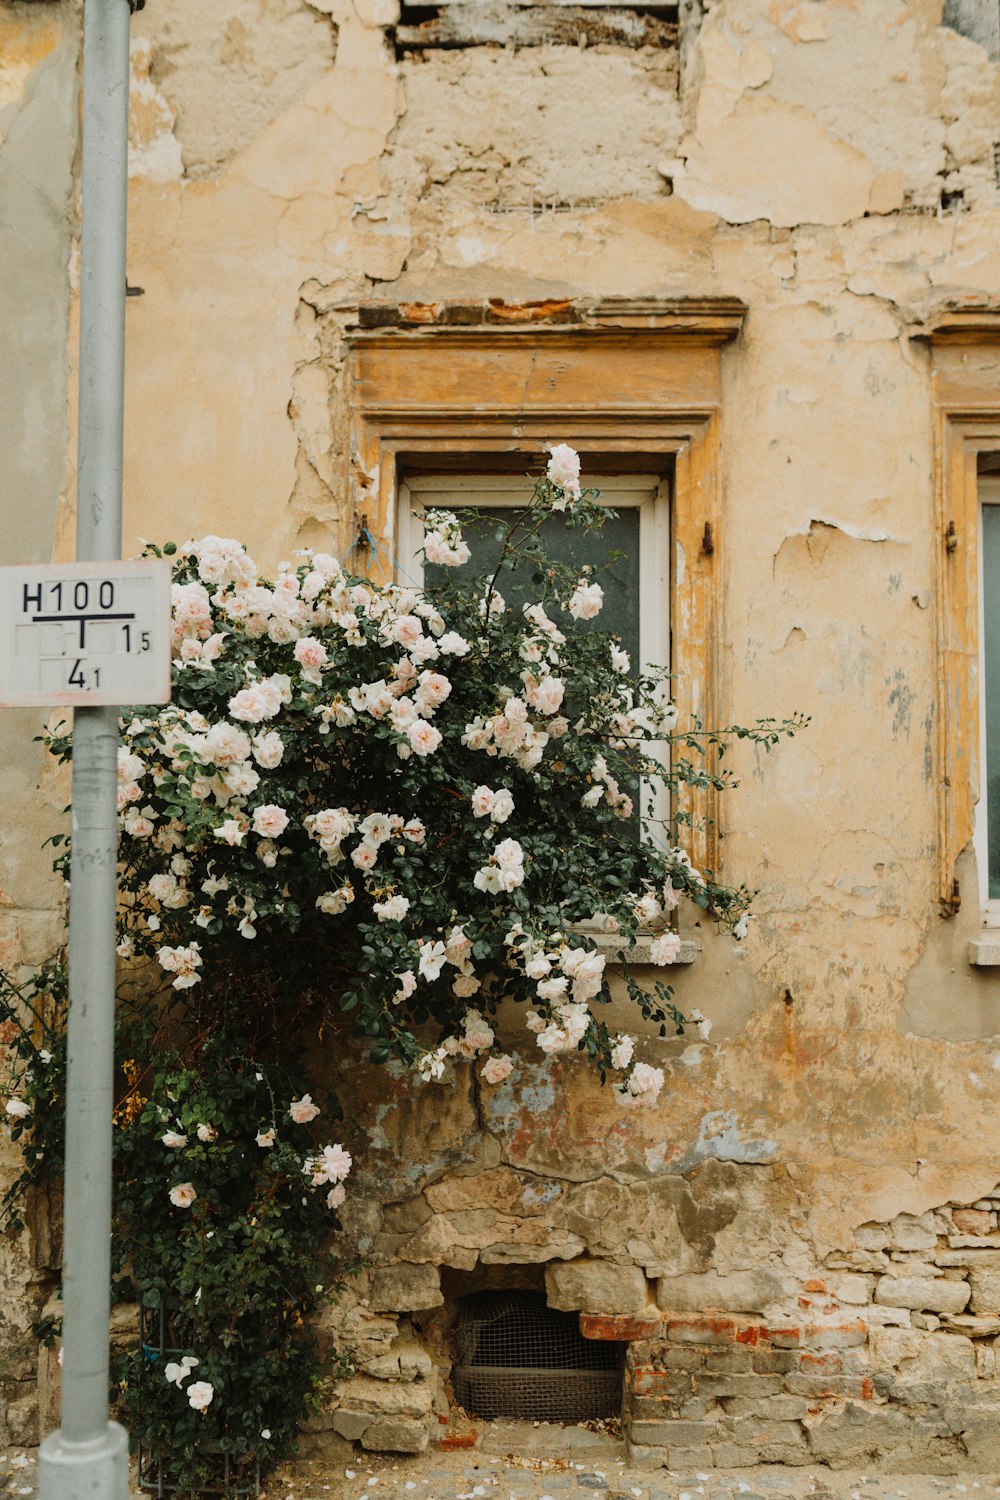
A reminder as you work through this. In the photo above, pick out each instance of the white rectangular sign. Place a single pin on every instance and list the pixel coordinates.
(85, 633)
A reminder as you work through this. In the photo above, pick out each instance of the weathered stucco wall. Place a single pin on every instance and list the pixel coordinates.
(833, 165)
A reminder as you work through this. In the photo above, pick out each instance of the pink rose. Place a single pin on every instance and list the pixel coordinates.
(303, 1110)
(496, 1069)
(183, 1195)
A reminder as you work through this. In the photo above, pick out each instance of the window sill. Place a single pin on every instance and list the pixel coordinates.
(617, 950)
(984, 951)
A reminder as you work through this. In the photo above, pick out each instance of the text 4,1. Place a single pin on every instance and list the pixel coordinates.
(83, 676)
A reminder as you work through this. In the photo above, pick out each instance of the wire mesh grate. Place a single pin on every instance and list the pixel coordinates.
(518, 1358)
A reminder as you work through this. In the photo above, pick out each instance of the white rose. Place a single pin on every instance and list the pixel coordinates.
(665, 949)
(303, 1110)
(200, 1395)
(496, 1069)
(269, 820)
(563, 467)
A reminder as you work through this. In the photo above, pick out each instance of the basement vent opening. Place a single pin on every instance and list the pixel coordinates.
(516, 1357)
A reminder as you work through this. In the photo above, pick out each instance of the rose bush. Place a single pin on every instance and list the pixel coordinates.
(401, 803)
(404, 807)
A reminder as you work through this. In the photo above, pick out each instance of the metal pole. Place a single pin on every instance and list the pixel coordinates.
(87, 1458)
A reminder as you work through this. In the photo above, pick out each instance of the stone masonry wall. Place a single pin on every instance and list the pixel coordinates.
(887, 1354)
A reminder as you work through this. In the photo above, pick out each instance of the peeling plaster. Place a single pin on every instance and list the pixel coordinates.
(719, 1139)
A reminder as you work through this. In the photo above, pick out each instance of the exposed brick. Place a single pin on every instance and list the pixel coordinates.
(783, 1338)
(751, 1335)
(783, 1407)
(770, 1361)
(701, 1330)
(684, 1359)
(653, 1434)
(815, 1286)
(721, 1386)
(659, 1382)
(655, 1408)
(836, 1336)
(452, 1441)
(832, 1385)
(689, 1460)
(618, 1327)
(647, 1457)
(731, 1358)
(820, 1364)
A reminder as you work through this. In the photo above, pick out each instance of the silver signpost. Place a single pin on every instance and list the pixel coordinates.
(92, 635)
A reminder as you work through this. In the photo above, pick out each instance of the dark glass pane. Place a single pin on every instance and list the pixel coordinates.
(570, 545)
(991, 655)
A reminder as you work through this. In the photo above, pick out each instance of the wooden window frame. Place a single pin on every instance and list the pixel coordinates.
(621, 380)
(965, 384)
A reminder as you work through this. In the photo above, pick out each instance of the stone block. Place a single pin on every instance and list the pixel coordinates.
(596, 1286)
(385, 1398)
(689, 1460)
(985, 1283)
(351, 1424)
(415, 1363)
(326, 1446)
(910, 1232)
(742, 1291)
(22, 1422)
(937, 1360)
(856, 1291)
(395, 1436)
(933, 1293)
(645, 1457)
(405, 1288)
(854, 1434)
(656, 1434)
(977, 1221)
(871, 1237)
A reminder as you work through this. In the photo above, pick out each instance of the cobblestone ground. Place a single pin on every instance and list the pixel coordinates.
(573, 1465)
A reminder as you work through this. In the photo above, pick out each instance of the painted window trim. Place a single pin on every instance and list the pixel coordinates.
(636, 380)
(965, 383)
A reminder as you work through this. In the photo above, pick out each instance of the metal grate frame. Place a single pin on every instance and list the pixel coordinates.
(516, 1357)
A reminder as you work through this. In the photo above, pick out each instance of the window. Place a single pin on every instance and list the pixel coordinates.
(634, 385)
(636, 590)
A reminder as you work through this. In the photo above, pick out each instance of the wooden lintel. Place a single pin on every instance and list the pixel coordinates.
(965, 324)
(710, 320)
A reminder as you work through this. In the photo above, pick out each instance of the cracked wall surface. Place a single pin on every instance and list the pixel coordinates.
(833, 165)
